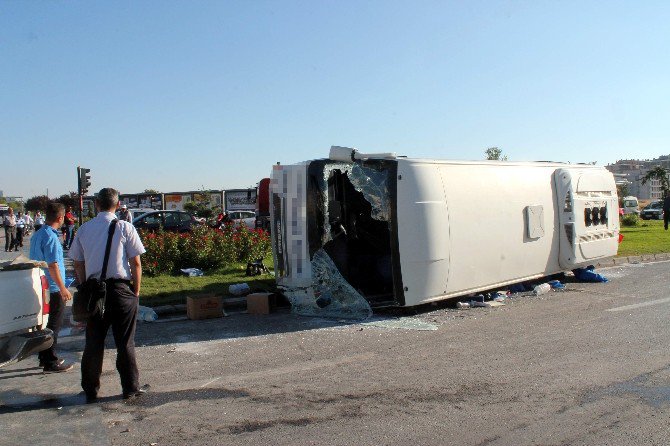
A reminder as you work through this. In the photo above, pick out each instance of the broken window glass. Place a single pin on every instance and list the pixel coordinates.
(371, 182)
(332, 295)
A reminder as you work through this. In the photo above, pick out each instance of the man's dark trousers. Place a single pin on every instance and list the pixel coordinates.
(56, 313)
(18, 241)
(120, 314)
(10, 235)
(69, 236)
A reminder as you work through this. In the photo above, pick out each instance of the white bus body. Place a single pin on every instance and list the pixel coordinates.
(350, 234)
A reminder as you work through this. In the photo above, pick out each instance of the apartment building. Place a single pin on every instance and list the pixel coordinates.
(632, 172)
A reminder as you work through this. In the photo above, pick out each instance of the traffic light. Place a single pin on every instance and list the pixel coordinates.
(84, 180)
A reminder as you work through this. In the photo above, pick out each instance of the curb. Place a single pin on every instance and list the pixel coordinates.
(644, 258)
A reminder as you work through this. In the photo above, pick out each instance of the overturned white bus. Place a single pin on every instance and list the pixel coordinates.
(358, 231)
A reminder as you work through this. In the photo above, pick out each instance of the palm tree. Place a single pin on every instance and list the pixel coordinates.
(658, 173)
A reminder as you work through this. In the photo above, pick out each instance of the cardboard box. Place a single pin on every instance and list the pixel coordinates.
(204, 306)
(260, 303)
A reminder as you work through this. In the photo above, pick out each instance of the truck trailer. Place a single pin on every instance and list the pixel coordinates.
(356, 231)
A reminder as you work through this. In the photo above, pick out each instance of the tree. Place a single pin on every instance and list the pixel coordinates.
(37, 203)
(16, 205)
(151, 191)
(200, 205)
(494, 153)
(68, 200)
(622, 190)
(660, 174)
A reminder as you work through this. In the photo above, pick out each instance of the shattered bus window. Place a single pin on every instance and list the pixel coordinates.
(371, 182)
(332, 295)
(351, 205)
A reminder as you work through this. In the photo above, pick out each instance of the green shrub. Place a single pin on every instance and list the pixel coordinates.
(630, 220)
(204, 248)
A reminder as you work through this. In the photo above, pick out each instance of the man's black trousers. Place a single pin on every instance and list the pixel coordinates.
(120, 314)
(56, 312)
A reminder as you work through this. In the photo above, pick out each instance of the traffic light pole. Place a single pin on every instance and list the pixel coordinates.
(81, 197)
(83, 183)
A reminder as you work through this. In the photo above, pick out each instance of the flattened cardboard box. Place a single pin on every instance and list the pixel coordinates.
(204, 306)
(260, 303)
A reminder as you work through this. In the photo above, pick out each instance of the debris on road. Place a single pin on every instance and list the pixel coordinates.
(146, 314)
(205, 306)
(260, 303)
(405, 323)
(541, 289)
(589, 275)
(239, 289)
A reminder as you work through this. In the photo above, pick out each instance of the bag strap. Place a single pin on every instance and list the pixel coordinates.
(108, 248)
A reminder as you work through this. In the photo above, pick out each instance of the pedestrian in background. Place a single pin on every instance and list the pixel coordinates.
(125, 214)
(666, 209)
(45, 246)
(123, 280)
(29, 223)
(9, 223)
(70, 220)
(39, 221)
(20, 230)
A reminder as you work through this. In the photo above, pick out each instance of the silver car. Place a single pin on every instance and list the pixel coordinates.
(246, 217)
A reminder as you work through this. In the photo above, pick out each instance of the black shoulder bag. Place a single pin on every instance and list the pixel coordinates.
(89, 300)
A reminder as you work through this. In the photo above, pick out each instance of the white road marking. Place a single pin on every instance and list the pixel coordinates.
(640, 305)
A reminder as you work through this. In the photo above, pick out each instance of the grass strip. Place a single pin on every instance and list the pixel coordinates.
(171, 290)
(648, 237)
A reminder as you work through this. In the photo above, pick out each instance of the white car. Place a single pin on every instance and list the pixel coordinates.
(246, 217)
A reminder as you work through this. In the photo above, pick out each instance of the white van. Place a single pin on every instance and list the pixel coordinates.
(630, 205)
(378, 230)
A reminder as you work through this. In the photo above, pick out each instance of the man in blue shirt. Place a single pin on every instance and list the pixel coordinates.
(45, 246)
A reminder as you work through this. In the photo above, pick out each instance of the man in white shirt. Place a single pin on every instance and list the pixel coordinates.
(39, 221)
(29, 222)
(123, 278)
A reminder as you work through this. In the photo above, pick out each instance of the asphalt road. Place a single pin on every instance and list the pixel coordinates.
(589, 366)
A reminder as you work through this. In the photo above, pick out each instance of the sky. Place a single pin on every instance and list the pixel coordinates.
(184, 95)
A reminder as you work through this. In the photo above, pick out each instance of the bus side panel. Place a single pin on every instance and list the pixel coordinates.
(423, 231)
(492, 208)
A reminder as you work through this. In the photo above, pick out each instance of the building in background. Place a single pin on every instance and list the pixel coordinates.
(633, 171)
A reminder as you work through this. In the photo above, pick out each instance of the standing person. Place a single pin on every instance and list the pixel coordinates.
(45, 246)
(125, 214)
(219, 221)
(666, 209)
(29, 222)
(124, 276)
(70, 220)
(20, 230)
(39, 221)
(9, 223)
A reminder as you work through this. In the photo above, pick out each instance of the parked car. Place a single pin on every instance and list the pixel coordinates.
(653, 210)
(246, 217)
(177, 221)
